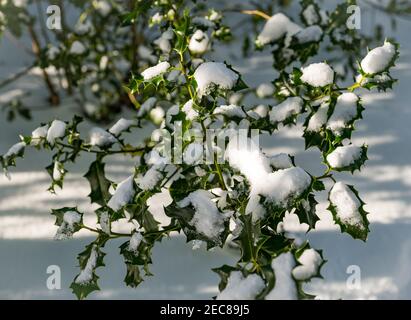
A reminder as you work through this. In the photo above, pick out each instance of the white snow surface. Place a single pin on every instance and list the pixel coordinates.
(57, 130)
(378, 59)
(287, 108)
(123, 194)
(278, 26)
(156, 70)
(347, 205)
(121, 125)
(344, 156)
(310, 263)
(214, 73)
(242, 288)
(345, 110)
(318, 74)
(285, 287)
(207, 220)
(101, 138)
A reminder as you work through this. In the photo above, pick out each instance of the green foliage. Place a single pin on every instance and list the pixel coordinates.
(257, 234)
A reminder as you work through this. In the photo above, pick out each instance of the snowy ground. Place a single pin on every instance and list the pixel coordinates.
(26, 228)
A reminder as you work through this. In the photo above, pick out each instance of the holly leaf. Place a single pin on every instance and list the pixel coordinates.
(357, 229)
(99, 184)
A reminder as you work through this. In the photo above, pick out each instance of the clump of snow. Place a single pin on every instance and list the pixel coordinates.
(231, 111)
(199, 42)
(242, 288)
(156, 70)
(278, 26)
(318, 74)
(277, 187)
(207, 219)
(287, 108)
(56, 130)
(190, 112)
(120, 126)
(157, 115)
(77, 48)
(265, 90)
(66, 229)
(58, 171)
(146, 106)
(378, 59)
(53, 52)
(347, 205)
(123, 194)
(86, 275)
(150, 179)
(103, 7)
(101, 138)
(310, 34)
(261, 110)
(211, 74)
(14, 150)
(310, 15)
(310, 263)
(40, 133)
(281, 161)
(105, 222)
(344, 156)
(319, 118)
(285, 287)
(164, 41)
(193, 153)
(135, 241)
(345, 110)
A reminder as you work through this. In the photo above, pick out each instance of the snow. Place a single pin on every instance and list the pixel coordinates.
(285, 287)
(14, 150)
(281, 161)
(157, 114)
(58, 171)
(193, 153)
(310, 15)
(146, 53)
(155, 71)
(277, 187)
(191, 113)
(265, 90)
(199, 42)
(86, 275)
(287, 108)
(278, 26)
(101, 138)
(146, 106)
(66, 228)
(150, 179)
(39, 133)
(207, 219)
(242, 288)
(344, 156)
(77, 48)
(231, 111)
(345, 110)
(318, 74)
(319, 118)
(103, 7)
(261, 110)
(163, 42)
(57, 130)
(378, 59)
(123, 194)
(105, 222)
(310, 34)
(121, 125)
(310, 263)
(135, 241)
(202, 21)
(347, 205)
(210, 74)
